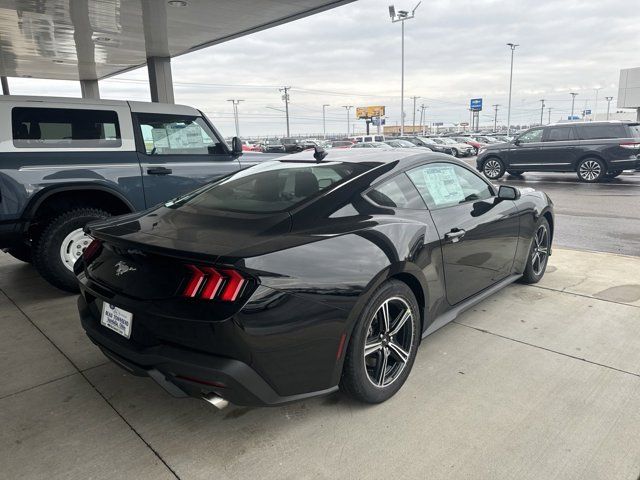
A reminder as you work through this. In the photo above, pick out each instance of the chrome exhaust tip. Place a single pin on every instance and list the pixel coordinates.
(216, 401)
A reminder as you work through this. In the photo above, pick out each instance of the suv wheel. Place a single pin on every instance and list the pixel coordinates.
(590, 170)
(383, 345)
(61, 244)
(493, 168)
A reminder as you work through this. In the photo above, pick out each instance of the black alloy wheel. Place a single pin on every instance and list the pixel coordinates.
(384, 344)
(539, 253)
(591, 170)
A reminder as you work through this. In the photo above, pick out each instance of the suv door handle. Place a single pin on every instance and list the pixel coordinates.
(454, 235)
(159, 171)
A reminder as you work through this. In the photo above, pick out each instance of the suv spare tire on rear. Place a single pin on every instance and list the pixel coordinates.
(61, 243)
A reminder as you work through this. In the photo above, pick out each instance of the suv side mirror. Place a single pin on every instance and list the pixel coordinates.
(236, 146)
(507, 192)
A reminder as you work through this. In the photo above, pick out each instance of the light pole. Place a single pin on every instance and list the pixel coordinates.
(401, 16)
(423, 107)
(324, 122)
(495, 117)
(549, 112)
(573, 102)
(414, 115)
(608, 99)
(512, 46)
(235, 114)
(595, 107)
(348, 108)
(541, 109)
(285, 98)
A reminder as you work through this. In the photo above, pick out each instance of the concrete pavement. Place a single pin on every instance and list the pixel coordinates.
(535, 382)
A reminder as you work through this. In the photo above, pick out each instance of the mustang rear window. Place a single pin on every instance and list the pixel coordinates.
(269, 187)
(64, 128)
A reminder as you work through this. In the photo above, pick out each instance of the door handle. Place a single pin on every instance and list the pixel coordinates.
(454, 235)
(159, 171)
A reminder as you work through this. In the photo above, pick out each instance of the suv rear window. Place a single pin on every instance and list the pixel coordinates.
(269, 187)
(594, 132)
(64, 128)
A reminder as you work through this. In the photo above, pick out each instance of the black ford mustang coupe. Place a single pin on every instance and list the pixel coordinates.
(306, 274)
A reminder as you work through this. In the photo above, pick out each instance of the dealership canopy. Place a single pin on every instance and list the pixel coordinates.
(89, 40)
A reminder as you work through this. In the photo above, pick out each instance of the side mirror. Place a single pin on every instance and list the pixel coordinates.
(236, 146)
(507, 192)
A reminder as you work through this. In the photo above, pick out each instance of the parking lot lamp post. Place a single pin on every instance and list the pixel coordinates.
(608, 99)
(324, 122)
(413, 132)
(512, 46)
(348, 108)
(495, 117)
(401, 16)
(549, 112)
(573, 102)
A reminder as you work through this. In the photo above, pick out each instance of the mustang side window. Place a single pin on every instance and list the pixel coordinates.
(447, 184)
(397, 192)
(177, 135)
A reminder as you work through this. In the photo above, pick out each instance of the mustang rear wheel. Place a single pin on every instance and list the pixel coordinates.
(383, 344)
(493, 168)
(539, 253)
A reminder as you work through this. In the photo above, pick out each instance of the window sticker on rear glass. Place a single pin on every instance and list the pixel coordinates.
(443, 185)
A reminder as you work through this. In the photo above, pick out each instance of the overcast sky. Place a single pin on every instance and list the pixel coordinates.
(455, 50)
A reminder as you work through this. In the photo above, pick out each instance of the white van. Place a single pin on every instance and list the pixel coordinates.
(367, 138)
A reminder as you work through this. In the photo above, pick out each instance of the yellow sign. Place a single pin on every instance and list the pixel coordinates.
(370, 112)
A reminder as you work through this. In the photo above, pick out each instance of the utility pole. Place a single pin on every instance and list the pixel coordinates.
(513, 47)
(541, 110)
(348, 108)
(285, 98)
(423, 107)
(608, 99)
(414, 115)
(235, 114)
(402, 16)
(495, 117)
(573, 102)
(549, 112)
(324, 122)
(595, 107)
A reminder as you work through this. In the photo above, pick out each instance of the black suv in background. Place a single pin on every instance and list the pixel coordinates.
(594, 150)
(292, 145)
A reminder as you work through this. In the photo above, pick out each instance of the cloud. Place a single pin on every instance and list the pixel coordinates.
(455, 50)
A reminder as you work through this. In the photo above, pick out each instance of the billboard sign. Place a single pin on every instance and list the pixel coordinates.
(629, 88)
(370, 112)
(476, 104)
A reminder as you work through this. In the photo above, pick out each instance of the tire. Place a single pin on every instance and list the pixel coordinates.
(454, 152)
(538, 256)
(590, 170)
(515, 173)
(475, 151)
(21, 252)
(493, 168)
(47, 253)
(613, 174)
(377, 376)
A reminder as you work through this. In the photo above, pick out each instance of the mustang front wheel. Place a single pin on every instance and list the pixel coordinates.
(539, 253)
(383, 345)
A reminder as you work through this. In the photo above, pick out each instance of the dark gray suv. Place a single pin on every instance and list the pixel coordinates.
(65, 162)
(594, 150)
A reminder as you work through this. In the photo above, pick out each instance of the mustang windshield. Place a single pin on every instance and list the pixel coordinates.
(269, 187)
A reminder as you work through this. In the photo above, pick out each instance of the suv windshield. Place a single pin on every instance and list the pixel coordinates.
(269, 187)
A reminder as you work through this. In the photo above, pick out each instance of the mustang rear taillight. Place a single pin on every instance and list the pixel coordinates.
(208, 283)
(631, 145)
(92, 250)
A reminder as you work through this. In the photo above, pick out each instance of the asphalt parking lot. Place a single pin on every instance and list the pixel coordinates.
(535, 382)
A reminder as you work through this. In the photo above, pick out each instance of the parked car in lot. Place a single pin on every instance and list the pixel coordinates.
(458, 149)
(341, 144)
(250, 147)
(371, 145)
(68, 161)
(347, 262)
(272, 145)
(594, 150)
(292, 145)
(429, 143)
(476, 145)
(406, 144)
